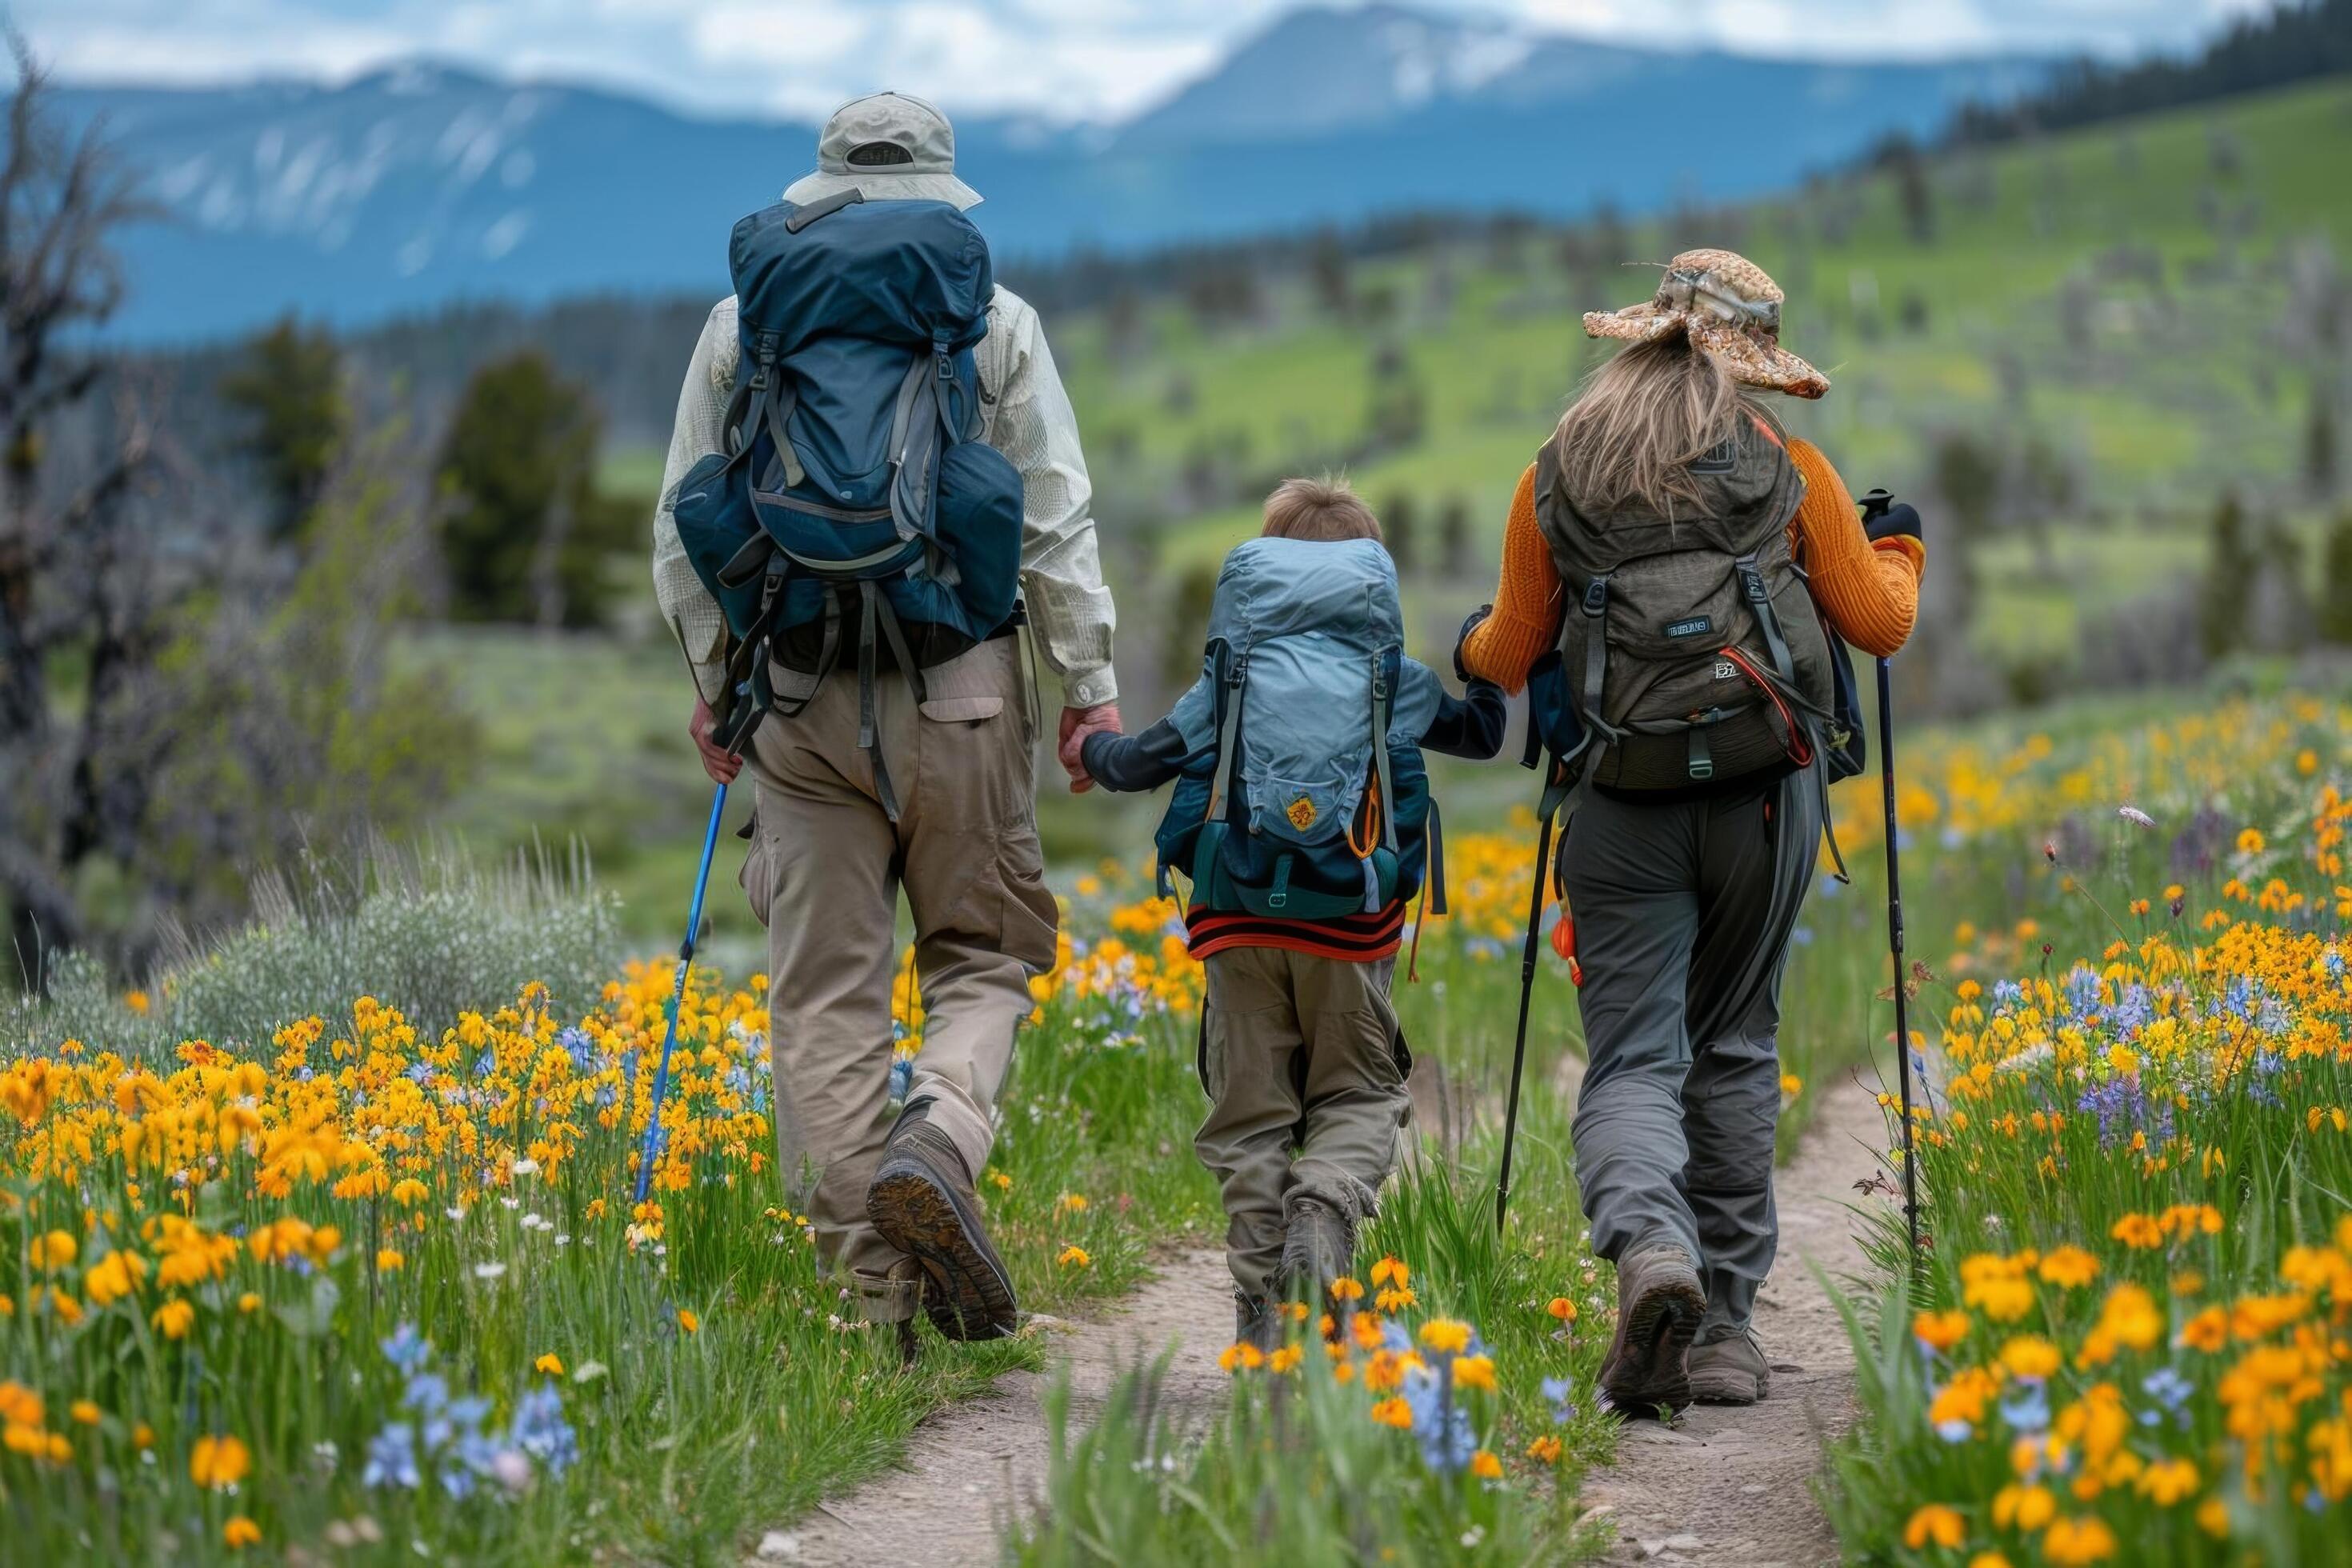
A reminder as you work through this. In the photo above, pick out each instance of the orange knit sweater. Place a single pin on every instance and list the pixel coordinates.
(1869, 594)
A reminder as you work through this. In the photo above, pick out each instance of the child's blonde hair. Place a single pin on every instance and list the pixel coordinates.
(1323, 510)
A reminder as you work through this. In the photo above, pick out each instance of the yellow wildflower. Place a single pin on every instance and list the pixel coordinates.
(217, 1463)
(1935, 1523)
(2073, 1541)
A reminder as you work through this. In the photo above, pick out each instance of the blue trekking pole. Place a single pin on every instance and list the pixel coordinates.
(654, 1139)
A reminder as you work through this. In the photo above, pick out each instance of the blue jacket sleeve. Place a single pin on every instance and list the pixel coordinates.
(1126, 764)
(1470, 725)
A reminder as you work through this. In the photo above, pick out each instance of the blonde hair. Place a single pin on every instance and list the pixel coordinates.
(1642, 418)
(1323, 510)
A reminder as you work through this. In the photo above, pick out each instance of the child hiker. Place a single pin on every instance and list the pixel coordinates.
(1302, 817)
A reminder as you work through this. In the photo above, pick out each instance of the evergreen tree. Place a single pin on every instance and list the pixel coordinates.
(2336, 587)
(1400, 527)
(2319, 449)
(1454, 538)
(525, 535)
(289, 386)
(2226, 594)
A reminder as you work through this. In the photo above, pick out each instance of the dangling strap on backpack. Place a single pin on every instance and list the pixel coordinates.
(1212, 822)
(875, 612)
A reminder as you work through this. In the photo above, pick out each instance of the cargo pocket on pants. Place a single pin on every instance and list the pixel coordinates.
(1029, 922)
(758, 877)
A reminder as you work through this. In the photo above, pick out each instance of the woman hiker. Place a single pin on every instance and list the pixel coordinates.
(1685, 556)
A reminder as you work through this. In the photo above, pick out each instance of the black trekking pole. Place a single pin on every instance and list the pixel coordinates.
(1895, 942)
(1527, 994)
(1882, 518)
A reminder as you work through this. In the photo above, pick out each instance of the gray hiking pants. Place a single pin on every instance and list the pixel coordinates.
(1683, 915)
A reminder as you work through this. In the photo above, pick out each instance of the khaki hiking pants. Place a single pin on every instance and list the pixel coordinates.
(1305, 1070)
(823, 875)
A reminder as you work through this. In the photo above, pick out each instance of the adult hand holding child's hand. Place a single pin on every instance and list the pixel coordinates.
(1078, 723)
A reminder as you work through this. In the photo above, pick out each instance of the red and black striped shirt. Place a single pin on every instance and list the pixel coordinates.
(1357, 939)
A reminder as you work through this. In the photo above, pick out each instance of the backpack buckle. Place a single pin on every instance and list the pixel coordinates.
(1596, 596)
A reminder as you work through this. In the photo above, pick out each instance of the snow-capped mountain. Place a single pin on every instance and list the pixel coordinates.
(413, 186)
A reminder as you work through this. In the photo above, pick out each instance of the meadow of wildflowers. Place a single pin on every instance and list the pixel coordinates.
(359, 1278)
(377, 1287)
(2131, 1338)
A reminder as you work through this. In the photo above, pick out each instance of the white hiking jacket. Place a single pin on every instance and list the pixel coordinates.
(1024, 413)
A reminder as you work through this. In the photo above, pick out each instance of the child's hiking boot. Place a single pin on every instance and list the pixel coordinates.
(1730, 1371)
(1659, 1305)
(1256, 1321)
(1318, 1246)
(923, 1204)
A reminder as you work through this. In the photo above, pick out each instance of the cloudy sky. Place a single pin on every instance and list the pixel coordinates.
(1063, 58)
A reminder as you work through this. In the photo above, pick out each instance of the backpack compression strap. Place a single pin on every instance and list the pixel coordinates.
(1596, 659)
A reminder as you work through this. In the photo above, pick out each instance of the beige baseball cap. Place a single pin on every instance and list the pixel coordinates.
(887, 145)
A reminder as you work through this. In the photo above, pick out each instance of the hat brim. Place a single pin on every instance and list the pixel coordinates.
(883, 184)
(1752, 359)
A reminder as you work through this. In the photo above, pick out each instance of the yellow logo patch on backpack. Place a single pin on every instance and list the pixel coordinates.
(1301, 814)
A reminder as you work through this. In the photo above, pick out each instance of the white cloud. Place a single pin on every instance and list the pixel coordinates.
(1062, 59)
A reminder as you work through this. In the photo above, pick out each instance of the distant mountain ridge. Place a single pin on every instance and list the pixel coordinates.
(424, 183)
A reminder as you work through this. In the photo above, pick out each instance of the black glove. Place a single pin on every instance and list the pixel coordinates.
(1475, 619)
(1884, 517)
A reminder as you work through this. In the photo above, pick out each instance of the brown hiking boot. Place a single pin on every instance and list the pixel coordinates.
(923, 1204)
(1659, 1305)
(1730, 1372)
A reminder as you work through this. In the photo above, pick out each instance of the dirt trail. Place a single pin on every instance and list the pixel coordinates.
(1729, 1485)
(974, 1464)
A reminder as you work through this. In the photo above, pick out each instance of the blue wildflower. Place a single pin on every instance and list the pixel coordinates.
(541, 1431)
(407, 1350)
(1556, 1391)
(427, 1392)
(392, 1458)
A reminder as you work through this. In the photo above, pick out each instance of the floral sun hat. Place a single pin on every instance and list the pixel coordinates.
(1731, 310)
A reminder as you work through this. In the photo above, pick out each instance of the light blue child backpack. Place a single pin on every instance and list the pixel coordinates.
(1305, 796)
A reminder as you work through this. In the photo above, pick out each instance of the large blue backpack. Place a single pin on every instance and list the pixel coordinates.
(1306, 796)
(855, 514)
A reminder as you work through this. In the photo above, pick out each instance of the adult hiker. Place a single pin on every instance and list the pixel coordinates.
(1693, 566)
(879, 763)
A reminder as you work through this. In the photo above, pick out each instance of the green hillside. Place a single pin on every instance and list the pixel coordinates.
(2120, 295)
